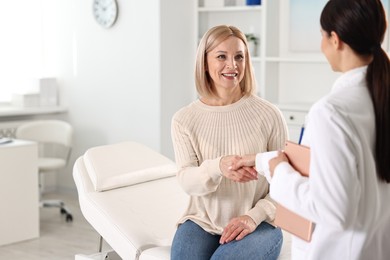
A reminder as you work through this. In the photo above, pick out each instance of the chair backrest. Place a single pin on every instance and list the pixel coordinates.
(46, 131)
(54, 137)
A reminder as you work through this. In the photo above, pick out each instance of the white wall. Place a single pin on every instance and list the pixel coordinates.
(123, 83)
(178, 47)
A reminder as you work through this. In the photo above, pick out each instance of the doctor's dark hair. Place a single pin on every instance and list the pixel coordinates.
(362, 25)
(210, 40)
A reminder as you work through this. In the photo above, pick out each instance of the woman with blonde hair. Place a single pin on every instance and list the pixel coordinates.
(229, 212)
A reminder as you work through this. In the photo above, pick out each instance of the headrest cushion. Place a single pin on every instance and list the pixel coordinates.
(123, 164)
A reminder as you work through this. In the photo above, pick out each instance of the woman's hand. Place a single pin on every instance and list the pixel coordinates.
(237, 229)
(229, 169)
(275, 161)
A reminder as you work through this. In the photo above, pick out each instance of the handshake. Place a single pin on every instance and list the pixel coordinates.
(248, 167)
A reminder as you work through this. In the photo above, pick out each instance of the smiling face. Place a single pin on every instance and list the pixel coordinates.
(226, 64)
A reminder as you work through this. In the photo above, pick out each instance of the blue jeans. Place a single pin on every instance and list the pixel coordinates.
(191, 242)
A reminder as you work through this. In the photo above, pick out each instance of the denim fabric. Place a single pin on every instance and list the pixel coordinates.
(191, 242)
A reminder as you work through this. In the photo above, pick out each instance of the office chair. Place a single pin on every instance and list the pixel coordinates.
(54, 138)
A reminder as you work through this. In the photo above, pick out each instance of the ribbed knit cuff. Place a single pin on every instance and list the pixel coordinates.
(257, 216)
(214, 170)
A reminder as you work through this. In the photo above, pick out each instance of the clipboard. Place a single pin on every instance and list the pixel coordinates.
(299, 157)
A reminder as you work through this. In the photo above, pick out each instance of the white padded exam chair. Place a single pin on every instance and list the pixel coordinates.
(130, 196)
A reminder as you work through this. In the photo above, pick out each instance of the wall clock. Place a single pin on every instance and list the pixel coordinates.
(105, 12)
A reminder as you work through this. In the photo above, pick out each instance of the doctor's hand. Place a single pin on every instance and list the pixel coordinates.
(238, 174)
(245, 161)
(237, 229)
(275, 161)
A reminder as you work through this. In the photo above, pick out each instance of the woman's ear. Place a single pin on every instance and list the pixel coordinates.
(336, 41)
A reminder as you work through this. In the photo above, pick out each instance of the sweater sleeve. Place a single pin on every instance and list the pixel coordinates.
(279, 133)
(264, 210)
(195, 179)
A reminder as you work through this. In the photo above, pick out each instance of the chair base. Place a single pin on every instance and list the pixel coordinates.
(112, 255)
(58, 204)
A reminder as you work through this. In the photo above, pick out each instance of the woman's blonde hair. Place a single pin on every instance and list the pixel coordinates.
(211, 39)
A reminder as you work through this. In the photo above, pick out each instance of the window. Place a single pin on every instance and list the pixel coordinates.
(21, 48)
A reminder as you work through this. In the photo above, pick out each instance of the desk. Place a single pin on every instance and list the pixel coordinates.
(19, 197)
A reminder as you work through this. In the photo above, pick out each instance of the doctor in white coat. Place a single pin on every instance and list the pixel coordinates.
(348, 192)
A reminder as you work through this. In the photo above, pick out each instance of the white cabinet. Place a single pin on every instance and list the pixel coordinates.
(295, 116)
(19, 200)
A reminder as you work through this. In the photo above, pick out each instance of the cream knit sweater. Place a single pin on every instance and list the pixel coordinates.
(201, 135)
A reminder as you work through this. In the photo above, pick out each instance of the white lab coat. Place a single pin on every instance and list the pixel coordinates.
(343, 196)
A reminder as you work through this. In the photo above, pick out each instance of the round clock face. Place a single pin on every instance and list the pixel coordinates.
(105, 12)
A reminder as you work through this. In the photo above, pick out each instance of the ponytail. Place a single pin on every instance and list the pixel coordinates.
(378, 83)
(362, 25)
